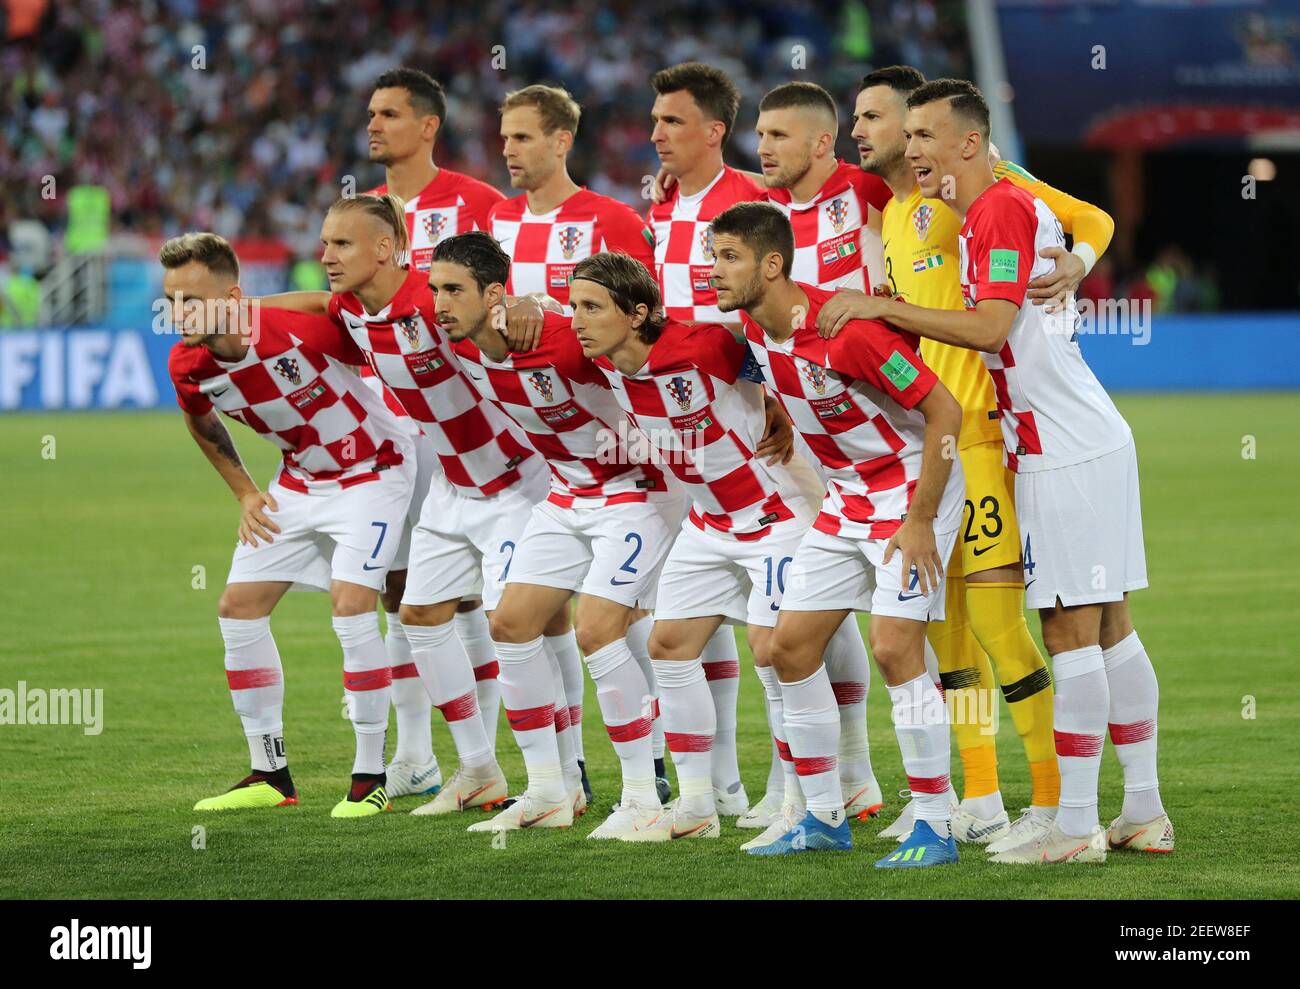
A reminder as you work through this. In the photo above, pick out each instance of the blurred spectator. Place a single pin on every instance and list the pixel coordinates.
(244, 118)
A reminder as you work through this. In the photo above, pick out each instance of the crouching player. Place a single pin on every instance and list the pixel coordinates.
(884, 429)
(329, 521)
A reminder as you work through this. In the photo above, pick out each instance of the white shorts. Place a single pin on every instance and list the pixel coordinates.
(742, 580)
(464, 546)
(832, 572)
(426, 465)
(349, 534)
(1081, 531)
(607, 551)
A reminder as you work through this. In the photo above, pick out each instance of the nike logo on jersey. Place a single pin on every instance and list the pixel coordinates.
(981, 552)
(367, 566)
(908, 597)
(620, 583)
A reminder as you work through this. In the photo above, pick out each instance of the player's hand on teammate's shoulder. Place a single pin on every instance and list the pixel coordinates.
(778, 434)
(520, 322)
(1053, 288)
(915, 540)
(662, 186)
(253, 520)
(847, 304)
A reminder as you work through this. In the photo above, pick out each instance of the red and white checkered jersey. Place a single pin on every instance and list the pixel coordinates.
(481, 451)
(689, 403)
(684, 244)
(853, 400)
(563, 403)
(1053, 409)
(833, 245)
(450, 204)
(545, 248)
(333, 430)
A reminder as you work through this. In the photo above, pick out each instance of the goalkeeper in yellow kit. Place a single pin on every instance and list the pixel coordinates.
(985, 586)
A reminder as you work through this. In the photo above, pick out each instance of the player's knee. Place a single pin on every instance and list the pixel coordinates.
(788, 657)
(559, 623)
(594, 634)
(426, 614)
(512, 625)
(394, 588)
(351, 599)
(238, 603)
(893, 652)
(665, 645)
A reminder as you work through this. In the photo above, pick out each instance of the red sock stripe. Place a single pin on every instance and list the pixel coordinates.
(531, 718)
(575, 714)
(460, 708)
(376, 679)
(1081, 746)
(1138, 731)
(629, 732)
(849, 692)
(656, 708)
(783, 750)
(726, 669)
(928, 784)
(814, 766)
(260, 676)
(681, 742)
(939, 687)
(405, 671)
(562, 722)
(488, 671)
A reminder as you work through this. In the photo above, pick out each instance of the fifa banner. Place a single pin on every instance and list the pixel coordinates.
(1152, 73)
(109, 369)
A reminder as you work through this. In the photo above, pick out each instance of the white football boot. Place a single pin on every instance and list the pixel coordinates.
(628, 819)
(673, 823)
(786, 818)
(862, 799)
(901, 829)
(967, 827)
(731, 804)
(1033, 822)
(407, 779)
(579, 799)
(1055, 847)
(1154, 836)
(530, 812)
(763, 813)
(485, 788)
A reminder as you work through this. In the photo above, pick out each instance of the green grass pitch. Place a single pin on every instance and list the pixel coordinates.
(100, 546)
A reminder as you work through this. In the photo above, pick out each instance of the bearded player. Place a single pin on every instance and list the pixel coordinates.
(329, 521)
(1076, 480)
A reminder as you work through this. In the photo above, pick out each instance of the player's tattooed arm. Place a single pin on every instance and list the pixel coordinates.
(214, 439)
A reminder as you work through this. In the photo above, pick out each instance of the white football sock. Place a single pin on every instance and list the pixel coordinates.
(849, 668)
(472, 628)
(627, 709)
(565, 649)
(366, 679)
(1081, 707)
(256, 681)
(528, 689)
(410, 700)
(789, 780)
(921, 724)
(721, 660)
(812, 726)
(689, 725)
(638, 641)
(1134, 703)
(447, 676)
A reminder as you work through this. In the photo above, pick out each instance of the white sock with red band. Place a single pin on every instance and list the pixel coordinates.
(628, 711)
(1134, 702)
(472, 629)
(565, 649)
(1080, 710)
(721, 660)
(256, 681)
(812, 725)
(410, 700)
(367, 676)
(446, 674)
(689, 725)
(921, 725)
(528, 689)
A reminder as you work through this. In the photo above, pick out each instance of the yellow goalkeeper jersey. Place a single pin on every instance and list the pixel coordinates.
(920, 239)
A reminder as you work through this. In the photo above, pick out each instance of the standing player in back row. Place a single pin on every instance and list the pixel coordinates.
(406, 113)
(1076, 479)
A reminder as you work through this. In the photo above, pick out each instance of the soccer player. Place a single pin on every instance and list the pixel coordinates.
(984, 615)
(549, 228)
(406, 112)
(834, 208)
(603, 530)
(881, 424)
(694, 115)
(680, 386)
(328, 521)
(1076, 480)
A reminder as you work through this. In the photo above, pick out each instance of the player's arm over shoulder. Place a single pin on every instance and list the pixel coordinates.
(874, 353)
(1091, 227)
(321, 333)
(715, 349)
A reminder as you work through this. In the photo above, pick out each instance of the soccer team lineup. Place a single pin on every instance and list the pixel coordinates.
(551, 432)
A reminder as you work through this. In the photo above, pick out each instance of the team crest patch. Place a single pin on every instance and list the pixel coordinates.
(921, 219)
(570, 238)
(816, 376)
(838, 211)
(706, 245)
(680, 389)
(409, 330)
(433, 226)
(542, 382)
(287, 368)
